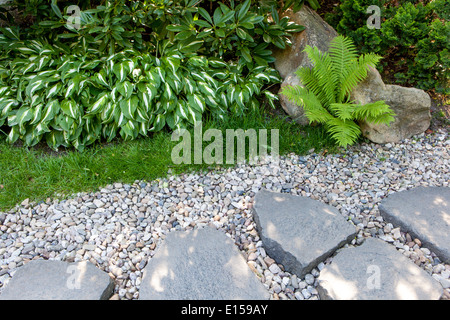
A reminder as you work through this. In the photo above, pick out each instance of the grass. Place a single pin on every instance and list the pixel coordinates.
(38, 173)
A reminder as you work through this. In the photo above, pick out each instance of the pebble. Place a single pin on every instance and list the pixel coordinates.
(120, 226)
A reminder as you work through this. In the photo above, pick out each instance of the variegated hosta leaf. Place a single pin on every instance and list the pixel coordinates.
(34, 86)
(129, 106)
(158, 123)
(121, 70)
(70, 108)
(130, 130)
(36, 114)
(97, 107)
(197, 102)
(101, 78)
(54, 90)
(125, 89)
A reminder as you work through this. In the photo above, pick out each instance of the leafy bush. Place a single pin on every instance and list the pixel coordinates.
(134, 67)
(325, 97)
(413, 38)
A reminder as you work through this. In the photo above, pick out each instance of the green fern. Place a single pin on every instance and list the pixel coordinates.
(325, 96)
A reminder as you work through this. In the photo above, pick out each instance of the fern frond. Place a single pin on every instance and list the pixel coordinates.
(375, 112)
(355, 73)
(343, 54)
(345, 132)
(343, 111)
(322, 70)
(310, 103)
(309, 79)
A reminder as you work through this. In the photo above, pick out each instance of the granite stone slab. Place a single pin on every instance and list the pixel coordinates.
(58, 280)
(424, 212)
(299, 232)
(201, 264)
(375, 270)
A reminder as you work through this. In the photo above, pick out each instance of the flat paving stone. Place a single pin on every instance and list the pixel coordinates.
(58, 280)
(423, 212)
(299, 232)
(375, 271)
(201, 264)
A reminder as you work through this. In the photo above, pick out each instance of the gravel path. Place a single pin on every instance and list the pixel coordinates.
(119, 227)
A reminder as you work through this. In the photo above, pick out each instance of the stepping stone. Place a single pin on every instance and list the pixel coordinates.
(423, 212)
(201, 264)
(58, 280)
(375, 271)
(299, 232)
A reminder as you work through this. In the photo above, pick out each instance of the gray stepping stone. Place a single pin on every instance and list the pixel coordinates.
(423, 212)
(201, 264)
(299, 232)
(375, 271)
(58, 280)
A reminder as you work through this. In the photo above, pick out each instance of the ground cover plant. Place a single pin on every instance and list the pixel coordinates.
(131, 68)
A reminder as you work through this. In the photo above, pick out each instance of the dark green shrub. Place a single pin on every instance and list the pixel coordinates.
(413, 39)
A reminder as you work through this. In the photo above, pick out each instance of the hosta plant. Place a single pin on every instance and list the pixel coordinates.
(76, 99)
(326, 87)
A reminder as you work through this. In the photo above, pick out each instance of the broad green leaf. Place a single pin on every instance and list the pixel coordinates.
(129, 106)
(121, 70)
(197, 102)
(34, 86)
(36, 114)
(99, 104)
(125, 89)
(71, 88)
(244, 9)
(13, 135)
(159, 123)
(205, 14)
(51, 109)
(100, 78)
(69, 107)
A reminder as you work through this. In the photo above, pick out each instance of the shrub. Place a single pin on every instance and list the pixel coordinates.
(325, 97)
(413, 38)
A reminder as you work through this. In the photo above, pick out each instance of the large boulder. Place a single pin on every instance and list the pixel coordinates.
(318, 34)
(411, 105)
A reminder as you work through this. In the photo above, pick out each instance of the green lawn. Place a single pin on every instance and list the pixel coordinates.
(38, 173)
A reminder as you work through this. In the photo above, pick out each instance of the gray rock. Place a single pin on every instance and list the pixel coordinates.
(318, 34)
(424, 213)
(375, 271)
(199, 264)
(293, 110)
(58, 280)
(299, 232)
(411, 106)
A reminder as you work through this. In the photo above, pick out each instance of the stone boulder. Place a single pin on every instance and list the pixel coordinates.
(318, 34)
(411, 105)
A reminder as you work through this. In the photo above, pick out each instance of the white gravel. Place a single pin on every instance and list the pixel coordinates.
(119, 227)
